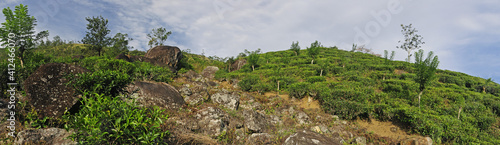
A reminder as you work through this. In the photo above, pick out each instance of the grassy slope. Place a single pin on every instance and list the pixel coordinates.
(359, 85)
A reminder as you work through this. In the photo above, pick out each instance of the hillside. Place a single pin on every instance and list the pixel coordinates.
(341, 97)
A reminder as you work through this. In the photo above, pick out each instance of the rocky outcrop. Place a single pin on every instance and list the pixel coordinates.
(53, 136)
(417, 141)
(47, 89)
(122, 56)
(238, 64)
(259, 138)
(255, 122)
(169, 55)
(155, 94)
(304, 137)
(230, 100)
(209, 72)
(212, 121)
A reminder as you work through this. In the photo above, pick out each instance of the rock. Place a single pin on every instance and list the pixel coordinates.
(155, 94)
(193, 139)
(417, 141)
(275, 119)
(169, 55)
(360, 140)
(191, 75)
(209, 72)
(305, 137)
(212, 121)
(185, 91)
(250, 103)
(322, 129)
(122, 56)
(302, 118)
(259, 138)
(54, 136)
(238, 64)
(230, 100)
(47, 89)
(255, 122)
(194, 99)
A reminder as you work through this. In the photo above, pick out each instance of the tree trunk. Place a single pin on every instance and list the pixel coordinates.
(312, 61)
(419, 94)
(253, 68)
(459, 110)
(484, 89)
(321, 73)
(21, 56)
(408, 56)
(295, 53)
(278, 92)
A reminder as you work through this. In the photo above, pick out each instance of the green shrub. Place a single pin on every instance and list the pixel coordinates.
(147, 71)
(314, 79)
(248, 82)
(109, 83)
(108, 120)
(299, 90)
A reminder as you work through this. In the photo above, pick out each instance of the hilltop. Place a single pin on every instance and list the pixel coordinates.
(340, 97)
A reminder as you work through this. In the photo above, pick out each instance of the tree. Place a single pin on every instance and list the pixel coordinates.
(22, 25)
(253, 57)
(314, 50)
(412, 40)
(97, 34)
(486, 84)
(387, 57)
(425, 70)
(158, 36)
(295, 48)
(120, 41)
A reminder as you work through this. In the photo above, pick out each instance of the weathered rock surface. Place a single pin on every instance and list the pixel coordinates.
(209, 72)
(155, 94)
(305, 137)
(47, 91)
(212, 121)
(230, 100)
(417, 141)
(302, 118)
(169, 55)
(53, 136)
(238, 64)
(255, 122)
(259, 138)
(122, 56)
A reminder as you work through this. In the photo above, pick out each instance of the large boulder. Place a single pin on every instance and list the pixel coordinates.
(169, 55)
(209, 72)
(212, 121)
(53, 136)
(238, 64)
(230, 100)
(47, 89)
(255, 122)
(122, 56)
(310, 138)
(158, 94)
(259, 138)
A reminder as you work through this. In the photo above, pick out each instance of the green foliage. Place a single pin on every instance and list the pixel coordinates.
(412, 40)
(299, 90)
(107, 120)
(109, 83)
(314, 79)
(147, 71)
(158, 36)
(295, 48)
(247, 83)
(313, 50)
(425, 69)
(97, 33)
(253, 58)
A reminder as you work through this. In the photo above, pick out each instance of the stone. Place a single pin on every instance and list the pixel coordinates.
(122, 56)
(305, 137)
(238, 64)
(185, 90)
(360, 140)
(194, 99)
(53, 136)
(302, 118)
(209, 72)
(230, 100)
(322, 129)
(169, 55)
(255, 122)
(259, 138)
(212, 121)
(47, 89)
(159, 94)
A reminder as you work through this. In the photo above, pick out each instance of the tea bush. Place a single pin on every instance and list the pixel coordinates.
(109, 83)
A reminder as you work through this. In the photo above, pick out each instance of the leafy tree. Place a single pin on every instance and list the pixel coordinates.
(295, 48)
(120, 41)
(425, 70)
(412, 40)
(314, 50)
(230, 61)
(22, 25)
(158, 36)
(97, 34)
(486, 84)
(253, 58)
(387, 57)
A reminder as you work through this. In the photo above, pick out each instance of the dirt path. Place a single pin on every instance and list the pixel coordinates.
(385, 129)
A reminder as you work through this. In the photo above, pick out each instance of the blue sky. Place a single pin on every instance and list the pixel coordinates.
(464, 34)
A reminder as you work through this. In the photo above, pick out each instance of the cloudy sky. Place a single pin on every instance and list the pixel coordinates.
(464, 34)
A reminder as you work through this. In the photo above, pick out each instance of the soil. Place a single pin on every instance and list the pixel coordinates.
(385, 129)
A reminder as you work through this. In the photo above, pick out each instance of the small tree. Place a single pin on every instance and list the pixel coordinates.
(120, 41)
(253, 58)
(97, 34)
(158, 36)
(412, 40)
(387, 57)
(425, 70)
(295, 48)
(314, 50)
(22, 25)
(486, 84)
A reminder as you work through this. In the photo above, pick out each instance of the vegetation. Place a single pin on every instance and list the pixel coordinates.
(97, 37)
(295, 48)
(412, 40)
(425, 70)
(158, 36)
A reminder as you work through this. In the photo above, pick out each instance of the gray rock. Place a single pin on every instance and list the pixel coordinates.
(54, 136)
(255, 122)
(259, 138)
(194, 99)
(212, 121)
(209, 72)
(360, 140)
(305, 137)
(155, 94)
(302, 118)
(185, 91)
(322, 129)
(230, 100)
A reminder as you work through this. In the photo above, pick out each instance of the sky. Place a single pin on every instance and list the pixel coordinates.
(464, 34)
